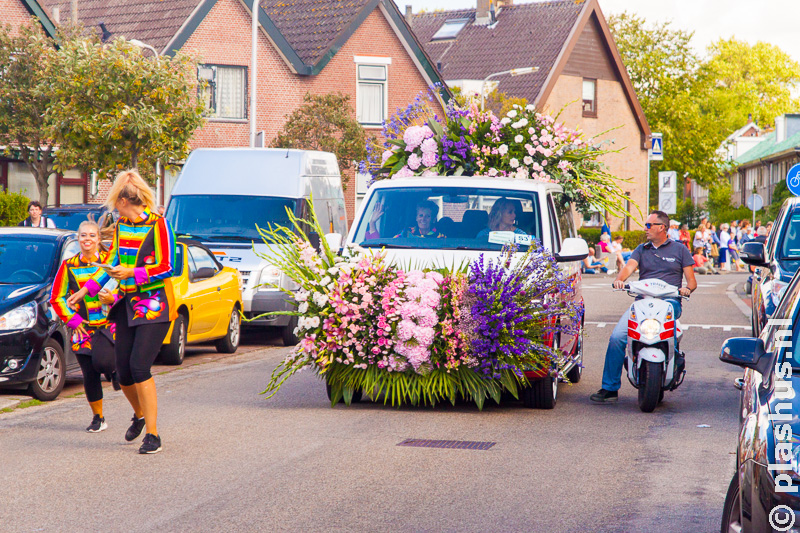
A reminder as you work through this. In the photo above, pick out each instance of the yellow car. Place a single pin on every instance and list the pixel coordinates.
(208, 297)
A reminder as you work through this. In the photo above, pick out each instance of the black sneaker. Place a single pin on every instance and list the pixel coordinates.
(150, 444)
(98, 424)
(604, 396)
(137, 425)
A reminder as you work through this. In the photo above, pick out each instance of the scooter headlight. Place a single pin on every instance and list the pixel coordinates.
(650, 328)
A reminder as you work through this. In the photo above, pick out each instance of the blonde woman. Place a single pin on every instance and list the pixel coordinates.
(141, 257)
(93, 337)
(502, 217)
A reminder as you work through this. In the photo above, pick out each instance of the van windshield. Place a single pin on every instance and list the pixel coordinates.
(449, 218)
(227, 217)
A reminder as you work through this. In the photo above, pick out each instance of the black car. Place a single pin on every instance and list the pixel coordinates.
(764, 494)
(35, 347)
(70, 216)
(776, 263)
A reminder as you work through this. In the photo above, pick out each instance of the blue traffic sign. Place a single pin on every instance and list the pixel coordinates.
(793, 180)
(657, 146)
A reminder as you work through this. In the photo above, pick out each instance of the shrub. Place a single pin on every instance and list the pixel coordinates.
(13, 208)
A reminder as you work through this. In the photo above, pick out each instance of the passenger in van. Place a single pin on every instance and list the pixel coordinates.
(426, 217)
(503, 217)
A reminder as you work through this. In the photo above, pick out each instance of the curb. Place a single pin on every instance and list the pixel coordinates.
(737, 301)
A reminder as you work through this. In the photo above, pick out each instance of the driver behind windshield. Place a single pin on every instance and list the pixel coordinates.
(426, 216)
(503, 217)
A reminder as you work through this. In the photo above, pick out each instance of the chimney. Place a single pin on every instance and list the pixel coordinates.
(74, 11)
(409, 12)
(57, 15)
(749, 118)
(482, 12)
(780, 129)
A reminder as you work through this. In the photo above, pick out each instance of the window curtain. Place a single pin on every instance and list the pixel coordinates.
(370, 103)
(230, 92)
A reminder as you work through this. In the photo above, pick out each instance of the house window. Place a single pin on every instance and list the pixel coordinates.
(449, 29)
(225, 92)
(589, 98)
(371, 95)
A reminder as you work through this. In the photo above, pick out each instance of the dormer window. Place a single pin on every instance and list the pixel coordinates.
(450, 29)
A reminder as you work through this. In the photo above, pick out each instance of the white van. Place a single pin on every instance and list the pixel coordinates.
(223, 193)
(445, 221)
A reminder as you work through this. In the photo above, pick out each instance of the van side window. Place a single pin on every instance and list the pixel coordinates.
(565, 219)
(554, 231)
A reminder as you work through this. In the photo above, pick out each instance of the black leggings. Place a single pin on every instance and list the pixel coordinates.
(136, 348)
(91, 377)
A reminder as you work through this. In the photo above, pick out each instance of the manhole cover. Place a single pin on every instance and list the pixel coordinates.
(453, 444)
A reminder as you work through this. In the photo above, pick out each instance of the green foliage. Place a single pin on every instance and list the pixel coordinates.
(719, 205)
(26, 130)
(115, 108)
(779, 195)
(630, 239)
(13, 208)
(326, 123)
(688, 213)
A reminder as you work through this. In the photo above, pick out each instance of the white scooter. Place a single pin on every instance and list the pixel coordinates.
(653, 362)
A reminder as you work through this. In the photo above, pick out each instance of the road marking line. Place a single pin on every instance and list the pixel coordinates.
(724, 327)
(599, 324)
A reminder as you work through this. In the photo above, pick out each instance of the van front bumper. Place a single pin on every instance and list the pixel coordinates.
(267, 302)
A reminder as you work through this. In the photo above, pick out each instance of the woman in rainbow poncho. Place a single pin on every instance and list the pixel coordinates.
(141, 258)
(93, 335)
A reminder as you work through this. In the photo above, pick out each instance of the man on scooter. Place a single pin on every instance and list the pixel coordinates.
(659, 258)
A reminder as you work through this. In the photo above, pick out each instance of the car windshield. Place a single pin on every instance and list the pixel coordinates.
(790, 247)
(70, 219)
(24, 259)
(227, 217)
(449, 218)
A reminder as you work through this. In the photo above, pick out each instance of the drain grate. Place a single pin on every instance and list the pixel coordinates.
(452, 444)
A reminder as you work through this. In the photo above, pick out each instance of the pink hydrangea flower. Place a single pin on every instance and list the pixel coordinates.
(414, 161)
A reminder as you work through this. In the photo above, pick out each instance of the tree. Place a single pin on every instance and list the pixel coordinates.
(672, 85)
(327, 123)
(26, 131)
(496, 102)
(749, 79)
(116, 108)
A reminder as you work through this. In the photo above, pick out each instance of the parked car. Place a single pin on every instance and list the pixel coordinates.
(35, 348)
(221, 196)
(70, 216)
(209, 299)
(463, 206)
(776, 262)
(769, 421)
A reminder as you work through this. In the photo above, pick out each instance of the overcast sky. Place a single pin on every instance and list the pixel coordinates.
(773, 21)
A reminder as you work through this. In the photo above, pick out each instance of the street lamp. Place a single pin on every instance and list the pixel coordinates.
(513, 72)
(140, 44)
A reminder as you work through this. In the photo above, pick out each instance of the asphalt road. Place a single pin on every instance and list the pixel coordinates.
(234, 461)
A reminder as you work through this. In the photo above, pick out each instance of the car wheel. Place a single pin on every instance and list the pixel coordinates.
(173, 353)
(732, 510)
(230, 342)
(287, 333)
(576, 372)
(50, 379)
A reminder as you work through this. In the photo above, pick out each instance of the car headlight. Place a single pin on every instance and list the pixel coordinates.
(776, 293)
(270, 277)
(650, 328)
(22, 317)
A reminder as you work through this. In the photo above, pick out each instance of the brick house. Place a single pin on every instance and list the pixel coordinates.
(579, 71)
(362, 48)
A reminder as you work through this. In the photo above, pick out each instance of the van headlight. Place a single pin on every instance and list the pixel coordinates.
(22, 317)
(650, 328)
(270, 277)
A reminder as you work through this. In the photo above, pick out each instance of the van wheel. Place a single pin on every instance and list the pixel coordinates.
(52, 372)
(173, 353)
(230, 342)
(541, 394)
(732, 510)
(287, 333)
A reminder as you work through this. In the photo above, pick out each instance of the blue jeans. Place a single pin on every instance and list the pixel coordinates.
(615, 354)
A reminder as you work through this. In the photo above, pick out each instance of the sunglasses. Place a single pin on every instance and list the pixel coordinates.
(651, 224)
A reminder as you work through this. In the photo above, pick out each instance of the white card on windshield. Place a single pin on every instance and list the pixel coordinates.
(501, 237)
(523, 239)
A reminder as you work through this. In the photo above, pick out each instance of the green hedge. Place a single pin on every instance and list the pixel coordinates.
(630, 239)
(13, 208)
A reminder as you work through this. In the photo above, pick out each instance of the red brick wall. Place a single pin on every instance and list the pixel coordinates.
(224, 38)
(13, 12)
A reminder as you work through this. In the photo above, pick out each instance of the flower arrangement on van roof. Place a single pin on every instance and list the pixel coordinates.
(524, 144)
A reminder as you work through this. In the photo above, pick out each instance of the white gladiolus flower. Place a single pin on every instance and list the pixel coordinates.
(503, 150)
(320, 299)
(518, 139)
(325, 281)
(301, 296)
(511, 114)
(505, 120)
(514, 163)
(313, 322)
(523, 122)
(529, 107)
(527, 160)
(303, 307)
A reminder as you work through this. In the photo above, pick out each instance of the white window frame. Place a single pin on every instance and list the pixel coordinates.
(212, 112)
(367, 61)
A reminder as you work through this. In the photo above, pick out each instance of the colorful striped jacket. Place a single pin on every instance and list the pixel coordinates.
(71, 277)
(147, 246)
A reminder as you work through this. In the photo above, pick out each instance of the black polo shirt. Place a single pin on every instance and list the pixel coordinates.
(665, 262)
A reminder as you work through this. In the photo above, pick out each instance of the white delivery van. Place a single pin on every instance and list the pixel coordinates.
(451, 221)
(223, 193)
